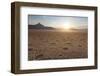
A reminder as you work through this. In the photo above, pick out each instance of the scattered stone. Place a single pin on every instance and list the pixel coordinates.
(30, 49)
(65, 48)
(40, 56)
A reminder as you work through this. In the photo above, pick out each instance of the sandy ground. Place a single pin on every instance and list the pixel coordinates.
(45, 45)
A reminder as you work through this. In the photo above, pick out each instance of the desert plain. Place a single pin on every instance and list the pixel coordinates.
(47, 45)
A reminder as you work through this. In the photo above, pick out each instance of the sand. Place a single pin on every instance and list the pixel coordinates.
(47, 45)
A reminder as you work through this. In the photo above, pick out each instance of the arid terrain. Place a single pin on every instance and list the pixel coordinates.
(45, 45)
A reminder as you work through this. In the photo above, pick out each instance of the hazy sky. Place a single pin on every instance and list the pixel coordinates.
(59, 21)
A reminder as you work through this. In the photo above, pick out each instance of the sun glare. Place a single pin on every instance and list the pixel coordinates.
(67, 26)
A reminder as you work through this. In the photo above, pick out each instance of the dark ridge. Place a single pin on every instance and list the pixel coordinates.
(39, 26)
(79, 30)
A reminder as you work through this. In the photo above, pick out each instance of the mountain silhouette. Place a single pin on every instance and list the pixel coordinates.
(40, 26)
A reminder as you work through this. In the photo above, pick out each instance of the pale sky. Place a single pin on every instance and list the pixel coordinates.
(59, 21)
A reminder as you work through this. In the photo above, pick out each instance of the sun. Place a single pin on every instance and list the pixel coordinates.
(67, 26)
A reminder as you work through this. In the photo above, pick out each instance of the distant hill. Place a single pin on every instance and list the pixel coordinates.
(79, 30)
(39, 26)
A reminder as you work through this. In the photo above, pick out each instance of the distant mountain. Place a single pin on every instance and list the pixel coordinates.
(79, 30)
(39, 26)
